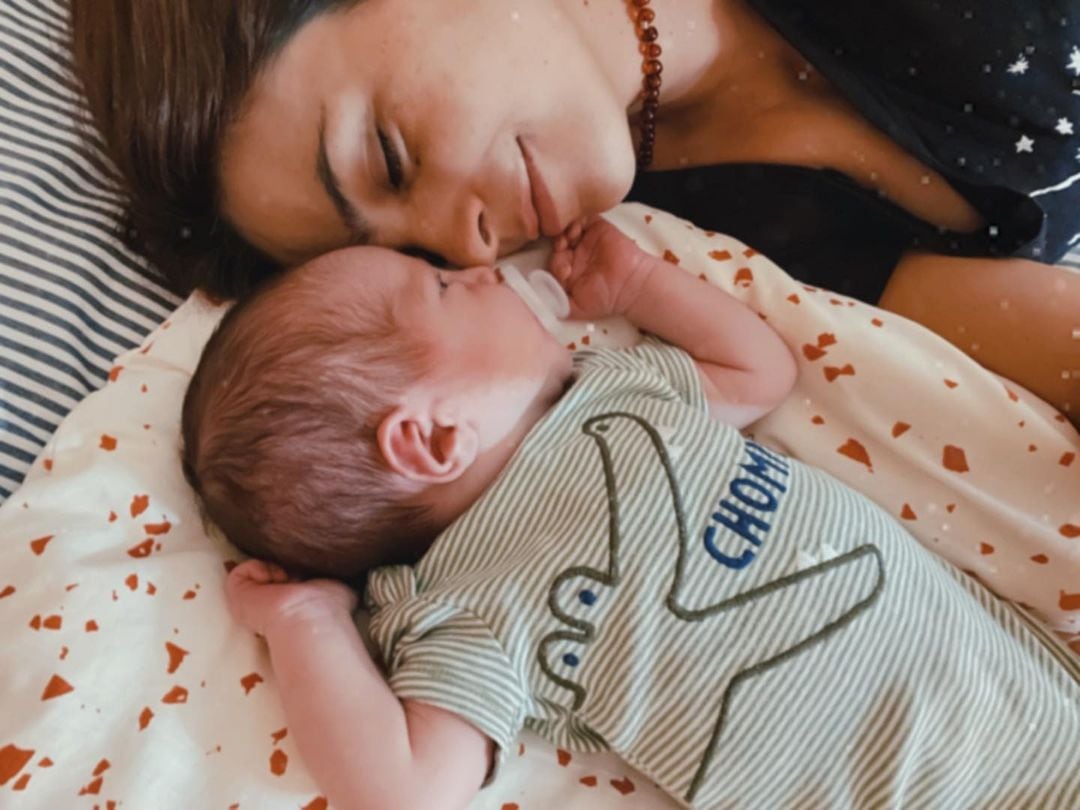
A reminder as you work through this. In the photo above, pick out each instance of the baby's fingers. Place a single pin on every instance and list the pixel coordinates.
(561, 265)
(259, 572)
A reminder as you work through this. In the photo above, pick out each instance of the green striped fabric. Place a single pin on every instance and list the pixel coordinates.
(743, 629)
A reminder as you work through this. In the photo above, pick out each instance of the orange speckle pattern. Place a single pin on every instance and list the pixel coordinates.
(954, 458)
(856, 451)
(624, 785)
(38, 546)
(12, 760)
(279, 761)
(670, 257)
(1069, 530)
(899, 429)
(318, 803)
(720, 255)
(588, 781)
(145, 716)
(250, 681)
(8, 590)
(1067, 459)
(139, 504)
(986, 548)
(177, 694)
(143, 549)
(564, 757)
(1069, 601)
(107, 443)
(907, 513)
(155, 529)
(832, 372)
(56, 687)
(176, 656)
(744, 277)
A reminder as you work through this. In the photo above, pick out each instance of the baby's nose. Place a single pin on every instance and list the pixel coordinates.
(481, 274)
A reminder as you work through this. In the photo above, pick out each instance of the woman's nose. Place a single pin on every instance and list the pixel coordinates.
(478, 240)
(461, 231)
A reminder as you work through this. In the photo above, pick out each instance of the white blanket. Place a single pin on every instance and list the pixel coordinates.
(124, 684)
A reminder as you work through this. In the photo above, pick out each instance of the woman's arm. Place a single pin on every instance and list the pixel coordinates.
(1018, 318)
(366, 749)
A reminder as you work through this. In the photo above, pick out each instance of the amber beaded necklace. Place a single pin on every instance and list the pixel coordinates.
(651, 69)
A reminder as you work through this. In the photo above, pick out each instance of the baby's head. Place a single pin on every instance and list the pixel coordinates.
(331, 409)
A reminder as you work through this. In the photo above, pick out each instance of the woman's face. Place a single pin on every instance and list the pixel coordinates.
(462, 127)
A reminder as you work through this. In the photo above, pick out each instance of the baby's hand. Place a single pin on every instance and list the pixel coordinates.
(601, 269)
(261, 593)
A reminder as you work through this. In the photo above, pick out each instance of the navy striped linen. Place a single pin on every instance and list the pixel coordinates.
(71, 297)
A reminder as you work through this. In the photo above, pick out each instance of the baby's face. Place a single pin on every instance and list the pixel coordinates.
(479, 332)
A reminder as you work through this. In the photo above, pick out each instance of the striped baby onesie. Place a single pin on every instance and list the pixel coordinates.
(743, 629)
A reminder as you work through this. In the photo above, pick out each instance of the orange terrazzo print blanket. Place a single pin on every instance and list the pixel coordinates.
(126, 685)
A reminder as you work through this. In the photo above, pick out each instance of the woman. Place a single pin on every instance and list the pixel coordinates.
(915, 154)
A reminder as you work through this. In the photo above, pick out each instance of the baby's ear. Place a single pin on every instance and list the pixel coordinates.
(421, 450)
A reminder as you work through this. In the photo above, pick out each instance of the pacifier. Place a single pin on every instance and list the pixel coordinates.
(541, 293)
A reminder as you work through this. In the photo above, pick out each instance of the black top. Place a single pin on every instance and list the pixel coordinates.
(985, 92)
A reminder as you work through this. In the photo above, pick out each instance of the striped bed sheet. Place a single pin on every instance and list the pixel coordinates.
(71, 297)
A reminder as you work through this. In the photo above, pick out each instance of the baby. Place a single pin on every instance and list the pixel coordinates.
(587, 545)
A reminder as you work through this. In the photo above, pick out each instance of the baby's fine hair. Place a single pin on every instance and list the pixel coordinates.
(280, 426)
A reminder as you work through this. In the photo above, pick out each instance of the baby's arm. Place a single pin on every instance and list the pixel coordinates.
(366, 749)
(746, 368)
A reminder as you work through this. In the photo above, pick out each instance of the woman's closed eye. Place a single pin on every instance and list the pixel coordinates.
(394, 171)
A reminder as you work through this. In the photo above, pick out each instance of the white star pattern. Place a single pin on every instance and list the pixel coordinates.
(1074, 60)
(1025, 144)
(1019, 67)
(1064, 126)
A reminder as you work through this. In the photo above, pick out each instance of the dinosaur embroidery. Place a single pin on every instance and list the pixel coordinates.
(775, 595)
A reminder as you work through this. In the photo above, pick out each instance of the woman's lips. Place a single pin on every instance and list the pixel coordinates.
(544, 205)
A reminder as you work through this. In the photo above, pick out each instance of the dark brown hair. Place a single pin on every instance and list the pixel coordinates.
(280, 427)
(163, 79)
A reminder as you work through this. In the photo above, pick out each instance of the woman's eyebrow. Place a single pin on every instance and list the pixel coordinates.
(350, 215)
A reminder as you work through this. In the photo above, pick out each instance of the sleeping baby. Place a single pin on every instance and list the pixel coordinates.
(585, 544)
